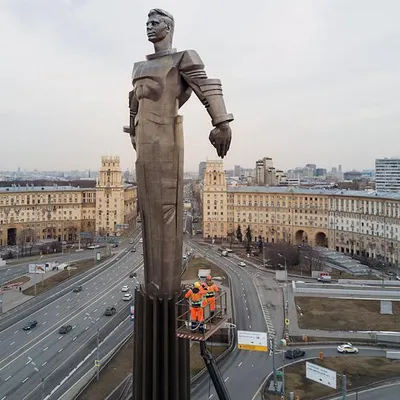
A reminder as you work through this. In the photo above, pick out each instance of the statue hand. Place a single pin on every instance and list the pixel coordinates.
(220, 137)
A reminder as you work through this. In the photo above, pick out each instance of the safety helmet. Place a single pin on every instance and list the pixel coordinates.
(209, 278)
(197, 285)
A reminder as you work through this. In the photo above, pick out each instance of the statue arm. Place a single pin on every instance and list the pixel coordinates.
(133, 109)
(209, 91)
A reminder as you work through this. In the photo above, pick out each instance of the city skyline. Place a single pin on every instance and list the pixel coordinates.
(316, 78)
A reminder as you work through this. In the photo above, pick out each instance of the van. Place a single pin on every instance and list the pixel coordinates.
(325, 279)
(224, 253)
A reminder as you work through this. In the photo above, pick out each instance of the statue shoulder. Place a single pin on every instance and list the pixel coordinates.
(190, 60)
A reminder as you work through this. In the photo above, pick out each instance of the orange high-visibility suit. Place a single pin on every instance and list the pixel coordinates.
(212, 288)
(196, 297)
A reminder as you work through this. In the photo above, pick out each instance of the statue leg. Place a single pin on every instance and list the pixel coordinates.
(159, 170)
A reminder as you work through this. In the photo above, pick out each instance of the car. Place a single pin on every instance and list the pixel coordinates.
(125, 288)
(242, 264)
(65, 329)
(133, 250)
(30, 325)
(115, 245)
(77, 289)
(141, 240)
(110, 311)
(347, 348)
(294, 353)
(131, 242)
(127, 297)
(133, 275)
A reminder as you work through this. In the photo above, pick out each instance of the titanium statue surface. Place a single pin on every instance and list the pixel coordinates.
(161, 85)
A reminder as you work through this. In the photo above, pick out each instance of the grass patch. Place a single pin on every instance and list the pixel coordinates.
(346, 315)
(197, 263)
(121, 365)
(360, 371)
(81, 266)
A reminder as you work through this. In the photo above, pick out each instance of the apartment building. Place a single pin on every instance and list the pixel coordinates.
(353, 222)
(387, 174)
(30, 213)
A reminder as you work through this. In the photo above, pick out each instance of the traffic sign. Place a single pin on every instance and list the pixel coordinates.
(287, 321)
(254, 341)
(97, 363)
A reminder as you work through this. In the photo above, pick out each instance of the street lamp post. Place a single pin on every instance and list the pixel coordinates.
(97, 348)
(286, 313)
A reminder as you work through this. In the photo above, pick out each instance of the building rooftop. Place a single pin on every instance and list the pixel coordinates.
(19, 189)
(305, 191)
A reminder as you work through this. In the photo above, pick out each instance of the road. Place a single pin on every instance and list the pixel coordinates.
(240, 366)
(11, 272)
(247, 366)
(387, 392)
(55, 355)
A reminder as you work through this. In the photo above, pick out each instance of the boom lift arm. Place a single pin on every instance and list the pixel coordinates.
(214, 372)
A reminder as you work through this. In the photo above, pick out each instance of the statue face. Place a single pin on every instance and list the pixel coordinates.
(157, 29)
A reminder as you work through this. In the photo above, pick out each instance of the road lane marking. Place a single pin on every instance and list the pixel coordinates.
(226, 379)
(60, 350)
(84, 318)
(16, 332)
(74, 339)
(86, 328)
(44, 322)
(139, 266)
(25, 379)
(250, 326)
(211, 396)
(58, 305)
(241, 362)
(8, 377)
(57, 314)
(60, 337)
(97, 319)
(44, 363)
(45, 348)
(104, 303)
(95, 310)
(28, 362)
(45, 313)
(29, 332)
(12, 343)
(248, 317)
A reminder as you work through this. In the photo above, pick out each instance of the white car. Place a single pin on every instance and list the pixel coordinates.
(125, 288)
(347, 348)
(127, 297)
(141, 240)
(242, 264)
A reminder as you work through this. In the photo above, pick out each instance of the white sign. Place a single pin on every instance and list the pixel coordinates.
(248, 340)
(321, 375)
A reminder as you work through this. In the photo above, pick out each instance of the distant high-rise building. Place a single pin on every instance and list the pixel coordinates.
(387, 174)
(202, 170)
(263, 171)
(320, 172)
(237, 170)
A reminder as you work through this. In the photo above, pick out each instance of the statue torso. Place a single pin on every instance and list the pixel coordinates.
(158, 85)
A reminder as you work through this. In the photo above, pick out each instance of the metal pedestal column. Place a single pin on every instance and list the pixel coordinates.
(161, 366)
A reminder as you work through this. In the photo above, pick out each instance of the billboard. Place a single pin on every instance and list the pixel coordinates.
(256, 341)
(321, 375)
(37, 269)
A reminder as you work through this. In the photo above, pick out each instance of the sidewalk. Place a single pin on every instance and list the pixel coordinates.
(13, 297)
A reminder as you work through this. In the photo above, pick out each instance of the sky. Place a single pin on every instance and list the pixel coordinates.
(311, 81)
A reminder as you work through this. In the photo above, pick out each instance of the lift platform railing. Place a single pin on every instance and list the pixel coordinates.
(211, 322)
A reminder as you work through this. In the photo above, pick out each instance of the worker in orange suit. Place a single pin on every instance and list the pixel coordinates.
(212, 289)
(197, 302)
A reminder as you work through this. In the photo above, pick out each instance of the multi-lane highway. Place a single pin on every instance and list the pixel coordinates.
(10, 272)
(28, 356)
(240, 366)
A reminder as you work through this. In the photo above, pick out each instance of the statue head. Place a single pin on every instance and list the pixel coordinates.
(160, 26)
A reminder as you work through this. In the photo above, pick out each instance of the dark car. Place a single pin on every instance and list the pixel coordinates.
(30, 325)
(110, 311)
(77, 289)
(133, 249)
(65, 329)
(294, 353)
(133, 275)
(115, 245)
